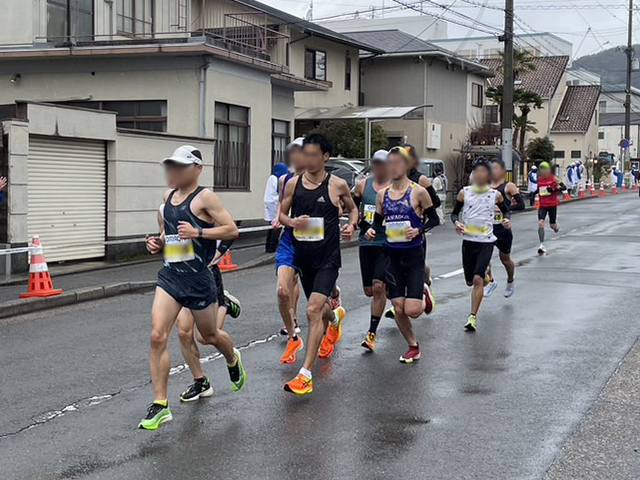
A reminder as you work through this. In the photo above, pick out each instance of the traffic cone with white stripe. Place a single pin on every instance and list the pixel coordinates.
(40, 284)
(536, 202)
(581, 192)
(603, 193)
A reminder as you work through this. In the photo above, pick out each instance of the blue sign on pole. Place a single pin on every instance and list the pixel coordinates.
(624, 143)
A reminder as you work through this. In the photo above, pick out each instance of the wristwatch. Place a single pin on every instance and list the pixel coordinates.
(200, 233)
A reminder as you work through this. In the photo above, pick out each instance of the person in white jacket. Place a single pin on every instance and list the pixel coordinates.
(271, 200)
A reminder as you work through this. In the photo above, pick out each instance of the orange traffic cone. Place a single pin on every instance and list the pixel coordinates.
(602, 192)
(594, 192)
(40, 284)
(624, 186)
(614, 190)
(226, 265)
(581, 192)
(536, 202)
(567, 196)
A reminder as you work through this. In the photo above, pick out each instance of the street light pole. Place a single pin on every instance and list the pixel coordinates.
(627, 102)
(507, 92)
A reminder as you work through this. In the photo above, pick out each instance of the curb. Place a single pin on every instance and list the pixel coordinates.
(22, 306)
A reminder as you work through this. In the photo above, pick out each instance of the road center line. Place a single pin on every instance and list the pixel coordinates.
(450, 274)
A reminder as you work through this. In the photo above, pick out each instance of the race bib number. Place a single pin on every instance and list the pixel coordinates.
(498, 217)
(545, 193)
(313, 233)
(368, 212)
(476, 228)
(397, 231)
(176, 250)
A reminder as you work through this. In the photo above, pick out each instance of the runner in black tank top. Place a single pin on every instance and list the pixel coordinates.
(312, 200)
(189, 244)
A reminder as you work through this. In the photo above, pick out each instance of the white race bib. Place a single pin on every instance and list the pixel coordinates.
(476, 227)
(368, 212)
(314, 231)
(397, 231)
(176, 250)
(498, 217)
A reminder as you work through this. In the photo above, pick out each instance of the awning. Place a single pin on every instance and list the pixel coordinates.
(355, 113)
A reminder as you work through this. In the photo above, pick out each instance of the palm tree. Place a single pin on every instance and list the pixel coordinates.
(522, 63)
(526, 101)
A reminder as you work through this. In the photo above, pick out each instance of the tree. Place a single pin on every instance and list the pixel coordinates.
(347, 137)
(522, 63)
(540, 149)
(526, 101)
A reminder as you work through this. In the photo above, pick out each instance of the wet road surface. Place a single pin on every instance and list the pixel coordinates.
(498, 404)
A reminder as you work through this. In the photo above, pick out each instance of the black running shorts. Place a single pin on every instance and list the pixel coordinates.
(372, 265)
(504, 239)
(552, 211)
(404, 272)
(217, 276)
(319, 281)
(195, 291)
(476, 257)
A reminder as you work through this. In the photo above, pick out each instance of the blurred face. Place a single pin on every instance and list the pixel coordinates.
(380, 170)
(544, 172)
(314, 159)
(398, 166)
(497, 172)
(179, 175)
(296, 158)
(481, 176)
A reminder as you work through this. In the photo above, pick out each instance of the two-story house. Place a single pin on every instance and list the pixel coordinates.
(95, 92)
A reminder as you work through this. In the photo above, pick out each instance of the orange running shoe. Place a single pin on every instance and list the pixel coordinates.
(300, 385)
(289, 355)
(334, 332)
(369, 342)
(326, 347)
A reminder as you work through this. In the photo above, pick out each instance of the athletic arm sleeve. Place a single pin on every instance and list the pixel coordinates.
(561, 187)
(517, 203)
(506, 213)
(224, 246)
(457, 208)
(434, 196)
(377, 223)
(430, 219)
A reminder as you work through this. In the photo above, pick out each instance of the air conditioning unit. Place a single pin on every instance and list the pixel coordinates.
(434, 131)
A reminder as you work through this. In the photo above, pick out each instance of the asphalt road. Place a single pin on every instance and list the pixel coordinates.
(498, 404)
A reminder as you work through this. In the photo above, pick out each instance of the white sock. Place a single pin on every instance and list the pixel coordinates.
(305, 372)
(335, 319)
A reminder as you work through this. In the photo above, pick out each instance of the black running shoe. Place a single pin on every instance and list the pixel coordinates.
(198, 389)
(233, 305)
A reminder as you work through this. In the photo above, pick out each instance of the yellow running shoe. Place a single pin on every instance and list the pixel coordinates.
(471, 323)
(334, 332)
(289, 355)
(326, 348)
(300, 385)
(369, 342)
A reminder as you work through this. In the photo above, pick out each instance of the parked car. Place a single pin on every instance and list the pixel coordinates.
(341, 172)
(355, 164)
(428, 167)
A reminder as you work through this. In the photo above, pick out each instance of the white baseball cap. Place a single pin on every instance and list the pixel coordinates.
(185, 155)
(380, 156)
(298, 142)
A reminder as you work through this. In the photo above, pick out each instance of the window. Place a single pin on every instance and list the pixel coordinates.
(558, 154)
(280, 140)
(600, 135)
(69, 20)
(315, 65)
(477, 95)
(135, 17)
(576, 154)
(603, 106)
(491, 114)
(148, 115)
(232, 160)
(347, 72)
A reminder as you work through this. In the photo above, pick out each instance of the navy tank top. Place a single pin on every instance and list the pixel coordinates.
(498, 216)
(319, 244)
(400, 214)
(368, 210)
(185, 256)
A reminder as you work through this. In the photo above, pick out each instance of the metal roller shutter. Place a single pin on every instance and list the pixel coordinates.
(67, 197)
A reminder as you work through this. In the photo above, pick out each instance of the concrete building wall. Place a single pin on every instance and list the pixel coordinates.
(426, 27)
(337, 95)
(17, 21)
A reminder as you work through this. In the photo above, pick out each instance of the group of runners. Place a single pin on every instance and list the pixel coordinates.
(393, 209)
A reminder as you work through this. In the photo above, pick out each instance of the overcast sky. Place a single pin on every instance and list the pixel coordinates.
(608, 24)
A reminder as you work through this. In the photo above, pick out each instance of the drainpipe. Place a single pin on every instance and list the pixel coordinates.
(112, 19)
(424, 102)
(203, 96)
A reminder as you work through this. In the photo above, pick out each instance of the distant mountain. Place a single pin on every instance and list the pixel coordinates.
(611, 64)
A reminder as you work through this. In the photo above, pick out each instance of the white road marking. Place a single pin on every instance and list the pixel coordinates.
(450, 274)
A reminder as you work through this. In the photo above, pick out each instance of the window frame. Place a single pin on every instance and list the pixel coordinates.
(348, 69)
(120, 119)
(479, 89)
(576, 154)
(223, 154)
(491, 111)
(601, 135)
(281, 136)
(556, 154)
(66, 4)
(315, 52)
(134, 20)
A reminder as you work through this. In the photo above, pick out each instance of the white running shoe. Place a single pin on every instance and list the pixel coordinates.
(491, 286)
(510, 290)
(542, 249)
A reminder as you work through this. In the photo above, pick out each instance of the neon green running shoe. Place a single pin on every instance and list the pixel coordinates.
(156, 416)
(237, 374)
(471, 323)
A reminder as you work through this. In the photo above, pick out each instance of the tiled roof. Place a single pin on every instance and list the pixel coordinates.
(576, 111)
(393, 41)
(546, 77)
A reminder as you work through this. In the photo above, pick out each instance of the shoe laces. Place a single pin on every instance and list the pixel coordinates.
(153, 410)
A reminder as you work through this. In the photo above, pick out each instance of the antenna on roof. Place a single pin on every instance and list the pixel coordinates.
(309, 15)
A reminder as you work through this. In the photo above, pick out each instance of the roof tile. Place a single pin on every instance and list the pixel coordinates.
(576, 110)
(546, 77)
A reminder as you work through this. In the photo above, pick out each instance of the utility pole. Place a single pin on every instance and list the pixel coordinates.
(627, 102)
(507, 92)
